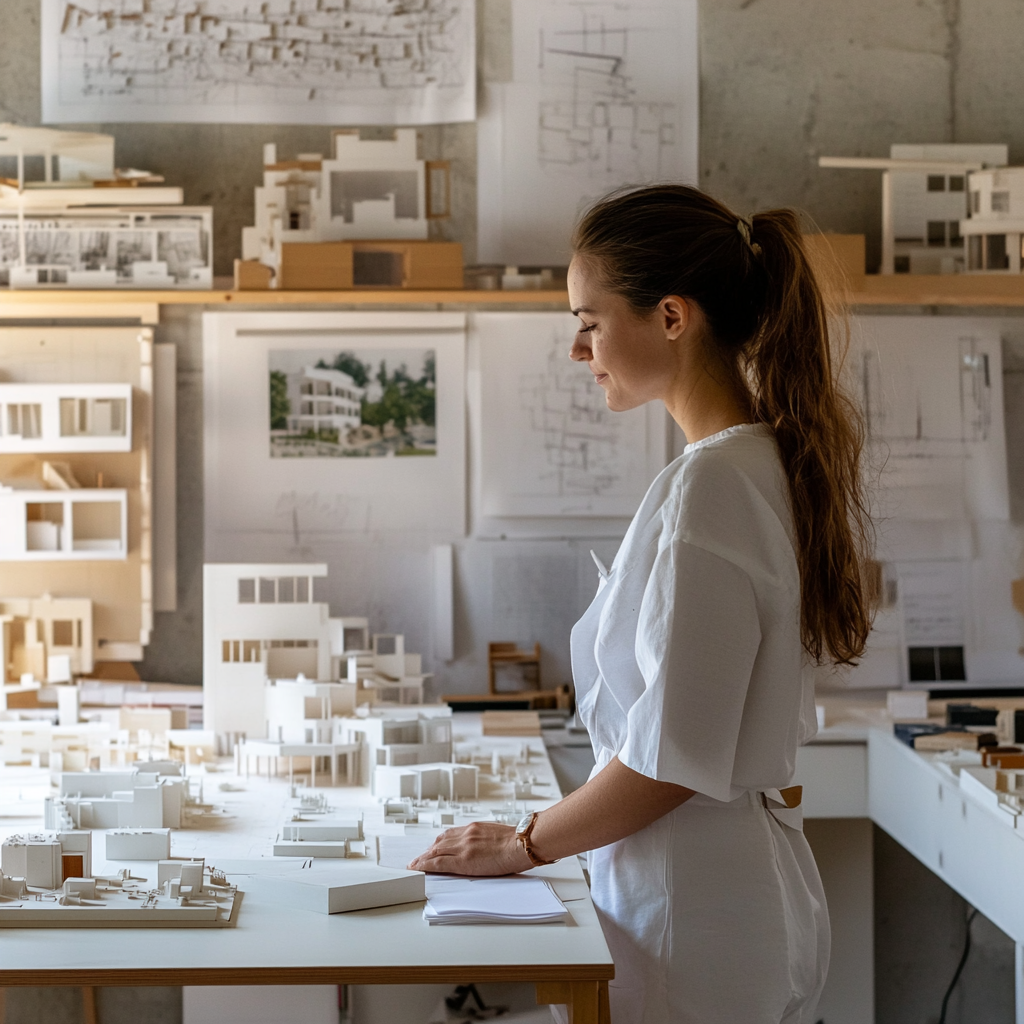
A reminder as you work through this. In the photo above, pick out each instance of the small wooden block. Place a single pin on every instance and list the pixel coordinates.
(838, 260)
(947, 741)
(511, 723)
(315, 266)
(252, 276)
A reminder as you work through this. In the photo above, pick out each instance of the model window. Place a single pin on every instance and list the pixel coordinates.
(251, 650)
(956, 183)
(93, 417)
(974, 249)
(936, 232)
(955, 238)
(63, 633)
(996, 256)
(246, 591)
(268, 591)
(936, 183)
(1000, 202)
(302, 590)
(25, 420)
(286, 590)
(901, 264)
(975, 202)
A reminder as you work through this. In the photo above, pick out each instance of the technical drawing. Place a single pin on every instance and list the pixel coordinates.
(304, 61)
(591, 117)
(550, 446)
(578, 432)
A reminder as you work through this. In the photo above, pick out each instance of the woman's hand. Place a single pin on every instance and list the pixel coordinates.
(481, 848)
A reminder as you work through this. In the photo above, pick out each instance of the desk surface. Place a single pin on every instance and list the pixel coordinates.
(276, 945)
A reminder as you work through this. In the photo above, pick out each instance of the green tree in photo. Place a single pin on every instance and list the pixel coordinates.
(346, 362)
(279, 404)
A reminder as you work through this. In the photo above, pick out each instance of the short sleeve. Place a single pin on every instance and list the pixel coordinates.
(696, 643)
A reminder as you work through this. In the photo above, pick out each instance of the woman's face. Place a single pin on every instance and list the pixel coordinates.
(634, 359)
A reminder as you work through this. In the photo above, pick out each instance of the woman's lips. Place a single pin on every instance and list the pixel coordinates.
(600, 378)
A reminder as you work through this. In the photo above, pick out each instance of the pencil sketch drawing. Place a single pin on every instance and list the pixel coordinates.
(569, 417)
(300, 61)
(591, 117)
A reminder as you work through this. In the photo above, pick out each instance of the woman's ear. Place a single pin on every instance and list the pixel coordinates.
(676, 315)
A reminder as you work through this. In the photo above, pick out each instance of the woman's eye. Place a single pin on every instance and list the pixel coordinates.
(585, 329)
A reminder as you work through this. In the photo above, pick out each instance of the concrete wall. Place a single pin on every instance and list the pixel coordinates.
(783, 81)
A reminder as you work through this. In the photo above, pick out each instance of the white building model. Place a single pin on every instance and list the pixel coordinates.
(371, 188)
(924, 201)
(69, 218)
(994, 229)
(46, 881)
(139, 798)
(279, 672)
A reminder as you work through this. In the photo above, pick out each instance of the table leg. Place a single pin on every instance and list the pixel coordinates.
(1018, 982)
(89, 1004)
(587, 1001)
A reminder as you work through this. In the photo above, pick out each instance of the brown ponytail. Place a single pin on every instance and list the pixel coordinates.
(767, 320)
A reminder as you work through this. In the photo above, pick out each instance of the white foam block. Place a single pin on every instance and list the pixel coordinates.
(139, 844)
(327, 888)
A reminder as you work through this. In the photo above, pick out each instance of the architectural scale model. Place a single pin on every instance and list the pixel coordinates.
(151, 796)
(272, 653)
(46, 881)
(924, 202)
(76, 479)
(357, 219)
(994, 229)
(69, 219)
(322, 835)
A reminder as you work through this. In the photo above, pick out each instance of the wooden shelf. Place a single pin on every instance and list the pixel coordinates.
(872, 290)
(380, 297)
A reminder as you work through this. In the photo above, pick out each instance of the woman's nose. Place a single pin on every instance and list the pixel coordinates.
(579, 353)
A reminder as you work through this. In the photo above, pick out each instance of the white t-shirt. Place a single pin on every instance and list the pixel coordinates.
(689, 668)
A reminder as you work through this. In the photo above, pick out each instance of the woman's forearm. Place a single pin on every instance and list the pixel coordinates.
(614, 804)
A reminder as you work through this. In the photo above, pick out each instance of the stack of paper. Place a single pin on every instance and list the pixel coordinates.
(517, 900)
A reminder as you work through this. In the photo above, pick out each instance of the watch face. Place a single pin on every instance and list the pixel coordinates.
(524, 824)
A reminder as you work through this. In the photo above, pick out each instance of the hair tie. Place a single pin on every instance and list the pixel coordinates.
(744, 227)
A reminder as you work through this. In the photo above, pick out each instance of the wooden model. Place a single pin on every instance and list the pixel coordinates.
(357, 220)
(924, 201)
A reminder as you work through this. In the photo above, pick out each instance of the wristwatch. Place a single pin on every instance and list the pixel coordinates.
(523, 830)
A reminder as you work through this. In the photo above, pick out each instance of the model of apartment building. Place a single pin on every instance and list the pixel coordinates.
(76, 478)
(924, 202)
(152, 796)
(994, 229)
(69, 218)
(370, 188)
(46, 859)
(271, 624)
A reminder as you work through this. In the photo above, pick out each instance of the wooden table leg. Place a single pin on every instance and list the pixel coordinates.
(587, 1001)
(89, 1004)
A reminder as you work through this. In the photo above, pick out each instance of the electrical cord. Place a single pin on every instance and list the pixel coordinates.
(959, 967)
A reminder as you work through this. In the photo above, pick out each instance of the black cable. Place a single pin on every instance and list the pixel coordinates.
(959, 967)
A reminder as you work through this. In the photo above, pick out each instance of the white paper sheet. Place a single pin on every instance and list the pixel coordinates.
(305, 503)
(282, 62)
(603, 94)
(549, 445)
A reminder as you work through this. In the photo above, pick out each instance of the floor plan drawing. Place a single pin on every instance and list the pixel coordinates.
(602, 94)
(591, 118)
(259, 61)
(549, 444)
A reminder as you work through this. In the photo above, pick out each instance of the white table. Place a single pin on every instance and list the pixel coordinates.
(272, 945)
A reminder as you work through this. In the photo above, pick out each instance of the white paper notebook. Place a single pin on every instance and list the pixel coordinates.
(519, 899)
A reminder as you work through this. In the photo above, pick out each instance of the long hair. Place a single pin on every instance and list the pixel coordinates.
(767, 322)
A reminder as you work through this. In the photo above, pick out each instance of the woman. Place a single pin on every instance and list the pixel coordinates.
(693, 667)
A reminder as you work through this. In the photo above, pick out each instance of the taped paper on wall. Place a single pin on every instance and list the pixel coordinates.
(242, 61)
(602, 95)
(549, 444)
